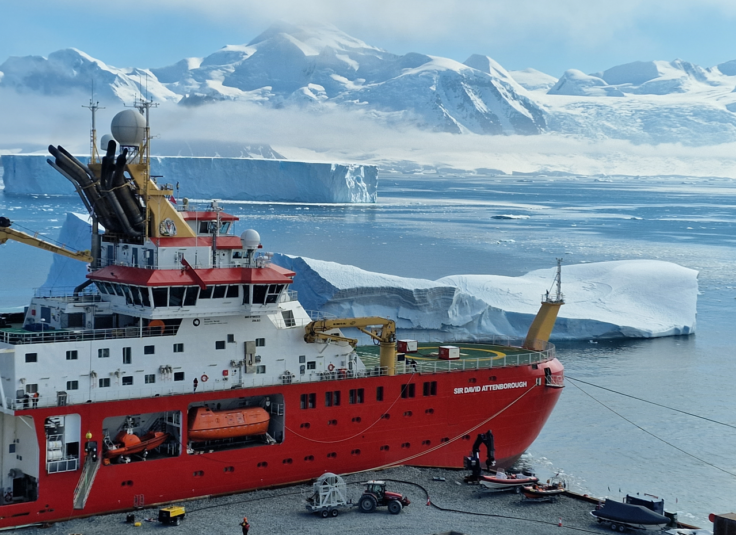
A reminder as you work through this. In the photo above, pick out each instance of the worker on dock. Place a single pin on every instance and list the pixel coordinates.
(244, 524)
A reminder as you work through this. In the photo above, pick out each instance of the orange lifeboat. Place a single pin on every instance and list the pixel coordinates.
(129, 443)
(206, 424)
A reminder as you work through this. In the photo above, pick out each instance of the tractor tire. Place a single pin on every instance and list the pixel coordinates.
(394, 507)
(367, 503)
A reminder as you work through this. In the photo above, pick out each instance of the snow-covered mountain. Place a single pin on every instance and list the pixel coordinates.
(316, 66)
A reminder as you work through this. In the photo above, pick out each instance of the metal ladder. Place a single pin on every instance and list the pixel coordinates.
(81, 493)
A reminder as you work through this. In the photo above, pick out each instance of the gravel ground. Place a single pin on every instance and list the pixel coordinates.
(474, 512)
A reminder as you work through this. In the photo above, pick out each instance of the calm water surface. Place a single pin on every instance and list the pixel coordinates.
(429, 227)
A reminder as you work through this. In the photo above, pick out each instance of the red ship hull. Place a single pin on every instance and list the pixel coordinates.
(434, 430)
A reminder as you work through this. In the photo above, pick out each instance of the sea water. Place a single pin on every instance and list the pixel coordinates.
(600, 438)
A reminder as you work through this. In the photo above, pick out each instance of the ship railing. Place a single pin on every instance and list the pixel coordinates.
(48, 336)
(499, 361)
(67, 295)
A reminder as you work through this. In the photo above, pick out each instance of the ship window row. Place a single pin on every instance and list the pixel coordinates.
(187, 296)
(127, 380)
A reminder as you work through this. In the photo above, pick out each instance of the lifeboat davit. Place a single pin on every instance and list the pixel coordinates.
(129, 443)
(206, 424)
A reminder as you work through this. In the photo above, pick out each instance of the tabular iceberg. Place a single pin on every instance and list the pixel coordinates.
(622, 299)
(222, 178)
(628, 298)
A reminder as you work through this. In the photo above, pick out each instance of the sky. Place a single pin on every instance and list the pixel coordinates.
(548, 35)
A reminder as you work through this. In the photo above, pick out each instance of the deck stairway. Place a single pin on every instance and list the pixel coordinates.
(81, 493)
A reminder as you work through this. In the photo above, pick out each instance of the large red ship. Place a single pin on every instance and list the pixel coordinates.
(192, 369)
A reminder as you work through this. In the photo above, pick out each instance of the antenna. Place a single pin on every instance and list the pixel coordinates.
(93, 107)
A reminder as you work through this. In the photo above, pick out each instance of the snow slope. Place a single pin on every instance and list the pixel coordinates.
(319, 68)
(630, 298)
(603, 300)
(219, 178)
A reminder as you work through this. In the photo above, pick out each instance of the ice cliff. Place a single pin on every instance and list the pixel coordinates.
(219, 178)
(623, 299)
(630, 298)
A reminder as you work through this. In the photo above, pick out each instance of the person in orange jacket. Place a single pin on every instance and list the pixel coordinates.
(244, 524)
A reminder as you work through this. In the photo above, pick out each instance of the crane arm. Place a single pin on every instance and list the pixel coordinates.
(6, 233)
(384, 331)
(317, 330)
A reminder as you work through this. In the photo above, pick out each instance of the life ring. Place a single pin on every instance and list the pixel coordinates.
(204, 378)
(195, 322)
(157, 323)
(331, 366)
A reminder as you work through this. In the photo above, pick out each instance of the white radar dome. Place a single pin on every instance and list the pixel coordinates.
(251, 239)
(104, 142)
(128, 128)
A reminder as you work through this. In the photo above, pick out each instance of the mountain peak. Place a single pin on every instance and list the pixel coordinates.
(316, 35)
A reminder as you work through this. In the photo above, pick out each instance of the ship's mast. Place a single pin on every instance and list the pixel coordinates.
(93, 157)
(93, 107)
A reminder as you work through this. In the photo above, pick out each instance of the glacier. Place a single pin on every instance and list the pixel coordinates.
(620, 299)
(221, 178)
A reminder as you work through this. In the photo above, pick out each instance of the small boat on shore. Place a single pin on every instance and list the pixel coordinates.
(628, 515)
(545, 491)
(503, 481)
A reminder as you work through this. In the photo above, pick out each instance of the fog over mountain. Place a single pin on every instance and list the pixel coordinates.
(312, 71)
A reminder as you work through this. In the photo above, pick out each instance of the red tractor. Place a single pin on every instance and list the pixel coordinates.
(375, 494)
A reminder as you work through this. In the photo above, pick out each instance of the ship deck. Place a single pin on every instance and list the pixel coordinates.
(472, 356)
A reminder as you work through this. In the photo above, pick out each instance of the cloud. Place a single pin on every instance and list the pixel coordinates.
(337, 135)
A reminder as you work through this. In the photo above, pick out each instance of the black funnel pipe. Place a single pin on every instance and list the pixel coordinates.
(125, 195)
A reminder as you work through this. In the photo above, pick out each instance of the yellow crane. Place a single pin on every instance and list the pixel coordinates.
(6, 233)
(316, 331)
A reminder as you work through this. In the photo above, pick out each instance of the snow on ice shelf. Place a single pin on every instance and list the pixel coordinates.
(220, 178)
(628, 298)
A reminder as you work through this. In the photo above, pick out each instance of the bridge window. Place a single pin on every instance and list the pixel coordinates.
(206, 293)
(219, 292)
(274, 290)
(176, 296)
(191, 296)
(145, 297)
(160, 297)
(232, 291)
(259, 294)
(246, 294)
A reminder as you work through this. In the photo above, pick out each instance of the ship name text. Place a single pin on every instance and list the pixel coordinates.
(488, 388)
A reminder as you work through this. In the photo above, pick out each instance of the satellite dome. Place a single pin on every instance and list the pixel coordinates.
(104, 141)
(128, 128)
(251, 239)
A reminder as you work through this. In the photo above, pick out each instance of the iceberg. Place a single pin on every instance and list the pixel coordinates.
(241, 179)
(621, 299)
